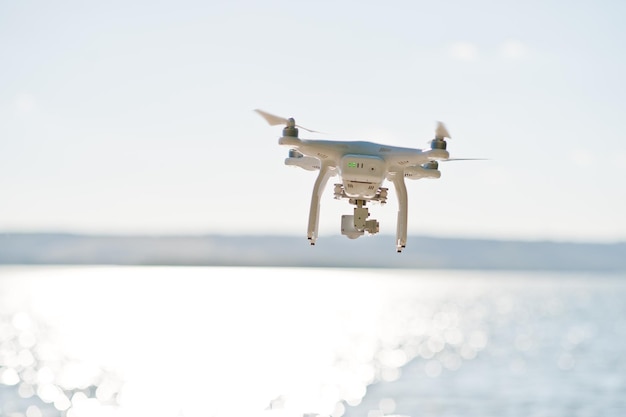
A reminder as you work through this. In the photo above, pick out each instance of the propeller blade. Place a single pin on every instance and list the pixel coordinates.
(309, 130)
(441, 132)
(464, 159)
(272, 119)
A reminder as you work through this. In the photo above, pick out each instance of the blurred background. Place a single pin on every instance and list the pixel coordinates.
(137, 117)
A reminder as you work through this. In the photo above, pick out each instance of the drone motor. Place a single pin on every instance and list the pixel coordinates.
(290, 128)
(441, 133)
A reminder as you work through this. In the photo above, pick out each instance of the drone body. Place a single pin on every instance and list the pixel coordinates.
(362, 167)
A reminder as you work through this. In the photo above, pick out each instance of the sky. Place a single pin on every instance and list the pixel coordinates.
(136, 117)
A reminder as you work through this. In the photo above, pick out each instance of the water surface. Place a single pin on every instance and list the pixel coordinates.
(204, 341)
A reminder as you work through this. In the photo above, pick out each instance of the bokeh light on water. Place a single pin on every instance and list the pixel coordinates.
(159, 341)
(38, 380)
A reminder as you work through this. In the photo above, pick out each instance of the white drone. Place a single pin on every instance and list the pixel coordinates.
(362, 167)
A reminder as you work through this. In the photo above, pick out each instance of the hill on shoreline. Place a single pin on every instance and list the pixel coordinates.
(332, 251)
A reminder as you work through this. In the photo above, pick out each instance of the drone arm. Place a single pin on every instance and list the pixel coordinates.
(324, 175)
(401, 229)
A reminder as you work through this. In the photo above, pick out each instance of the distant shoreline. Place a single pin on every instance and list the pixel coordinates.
(332, 251)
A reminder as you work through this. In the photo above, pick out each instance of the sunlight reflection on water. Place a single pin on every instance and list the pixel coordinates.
(161, 341)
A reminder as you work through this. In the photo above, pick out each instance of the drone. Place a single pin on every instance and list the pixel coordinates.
(362, 167)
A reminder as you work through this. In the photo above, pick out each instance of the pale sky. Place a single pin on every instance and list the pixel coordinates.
(137, 116)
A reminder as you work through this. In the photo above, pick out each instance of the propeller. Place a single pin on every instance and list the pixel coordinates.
(274, 120)
(464, 159)
(441, 132)
(435, 164)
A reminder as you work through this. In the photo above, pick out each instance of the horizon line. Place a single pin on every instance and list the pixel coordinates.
(289, 235)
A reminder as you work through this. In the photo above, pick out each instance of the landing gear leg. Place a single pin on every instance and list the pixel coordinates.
(401, 229)
(314, 212)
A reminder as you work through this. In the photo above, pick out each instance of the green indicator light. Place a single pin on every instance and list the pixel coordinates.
(351, 164)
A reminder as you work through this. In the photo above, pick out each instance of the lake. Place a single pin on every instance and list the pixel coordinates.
(82, 341)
